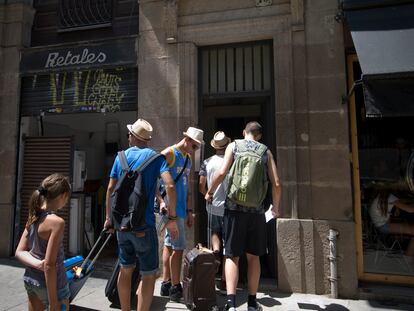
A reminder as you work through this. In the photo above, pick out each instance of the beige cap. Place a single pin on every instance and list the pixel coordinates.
(220, 140)
(195, 134)
(141, 129)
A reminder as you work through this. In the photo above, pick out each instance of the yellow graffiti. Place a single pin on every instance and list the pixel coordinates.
(58, 84)
(105, 94)
(77, 76)
(102, 94)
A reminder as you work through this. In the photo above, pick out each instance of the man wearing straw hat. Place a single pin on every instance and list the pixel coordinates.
(141, 244)
(215, 209)
(179, 162)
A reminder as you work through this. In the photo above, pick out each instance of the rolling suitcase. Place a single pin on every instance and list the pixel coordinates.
(111, 289)
(83, 266)
(199, 279)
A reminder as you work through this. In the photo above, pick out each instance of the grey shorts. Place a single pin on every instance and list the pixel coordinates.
(216, 224)
(41, 292)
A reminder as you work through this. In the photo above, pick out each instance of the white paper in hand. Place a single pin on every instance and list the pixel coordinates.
(269, 214)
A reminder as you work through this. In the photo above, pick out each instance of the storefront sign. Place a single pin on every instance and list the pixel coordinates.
(115, 52)
(56, 59)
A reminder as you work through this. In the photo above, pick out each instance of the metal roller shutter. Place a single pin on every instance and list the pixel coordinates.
(44, 156)
(87, 90)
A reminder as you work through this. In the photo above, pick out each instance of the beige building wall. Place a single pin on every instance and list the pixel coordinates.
(15, 27)
(311, 123)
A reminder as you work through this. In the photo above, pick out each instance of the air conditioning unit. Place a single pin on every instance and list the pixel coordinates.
(79, 170)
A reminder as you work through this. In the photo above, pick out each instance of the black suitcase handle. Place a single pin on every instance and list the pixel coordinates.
(101, 235)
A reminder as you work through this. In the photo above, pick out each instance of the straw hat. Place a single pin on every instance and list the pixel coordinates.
(141, 129)
(195, 134)
(220, 140)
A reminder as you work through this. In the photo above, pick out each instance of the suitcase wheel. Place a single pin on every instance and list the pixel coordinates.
(190, 306)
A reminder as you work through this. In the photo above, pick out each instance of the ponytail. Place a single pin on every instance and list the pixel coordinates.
(50, 188)
(35, 203)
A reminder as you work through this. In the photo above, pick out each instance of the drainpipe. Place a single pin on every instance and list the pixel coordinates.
(332, 260)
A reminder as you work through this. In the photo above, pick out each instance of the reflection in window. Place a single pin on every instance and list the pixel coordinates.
(84, 13)
(386, 166)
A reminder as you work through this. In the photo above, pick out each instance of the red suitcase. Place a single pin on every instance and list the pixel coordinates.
(199, 279)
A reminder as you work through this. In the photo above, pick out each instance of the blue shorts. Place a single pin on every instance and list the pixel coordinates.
(179, 243)
(41, 292)
(142, 246)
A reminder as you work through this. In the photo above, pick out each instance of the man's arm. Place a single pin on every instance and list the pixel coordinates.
(172, 201)
(109, 191)
(221, 173)
(405, 206)
(169, 155)
(202, 182)
(274, 180)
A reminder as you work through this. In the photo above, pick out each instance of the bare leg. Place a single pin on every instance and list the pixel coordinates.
(407, 229)
(166, 255)
(35, 304)
(124, 288)
(215, 242)
(253, 273)
(232, 274)
(146, 292)
(175, 261)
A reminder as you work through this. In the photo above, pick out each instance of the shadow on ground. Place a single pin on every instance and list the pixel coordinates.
(330, 307)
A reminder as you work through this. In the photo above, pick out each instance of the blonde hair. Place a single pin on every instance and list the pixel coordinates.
(50, 188)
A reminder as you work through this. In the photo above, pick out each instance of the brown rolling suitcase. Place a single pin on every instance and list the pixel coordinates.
(199, 279)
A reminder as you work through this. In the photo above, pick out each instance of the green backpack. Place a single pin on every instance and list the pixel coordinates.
(247, 179)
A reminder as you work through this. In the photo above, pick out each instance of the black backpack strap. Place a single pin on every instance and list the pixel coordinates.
(147, 162)
(123, 160)
(182, 170)
(163, 192)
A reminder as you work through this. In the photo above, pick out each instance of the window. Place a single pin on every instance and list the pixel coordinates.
(84, 14)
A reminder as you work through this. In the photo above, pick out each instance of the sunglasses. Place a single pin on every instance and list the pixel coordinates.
(129, 134)
(195, 146)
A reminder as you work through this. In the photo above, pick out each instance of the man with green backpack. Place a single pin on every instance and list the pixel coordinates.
(250, 166)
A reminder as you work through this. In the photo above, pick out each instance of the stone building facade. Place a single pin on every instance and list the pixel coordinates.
(309, 122)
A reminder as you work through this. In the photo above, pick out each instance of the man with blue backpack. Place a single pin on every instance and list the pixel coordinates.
(250, 166)
(130, 211)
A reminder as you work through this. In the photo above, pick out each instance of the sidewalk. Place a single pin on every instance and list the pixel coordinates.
(91, 297)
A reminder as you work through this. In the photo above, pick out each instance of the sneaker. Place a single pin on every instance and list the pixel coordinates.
(257, 308)
(165, 288)
(228, 308)
(176, 293)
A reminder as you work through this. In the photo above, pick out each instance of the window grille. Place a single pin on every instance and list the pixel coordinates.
(84, 14)
(236, 68)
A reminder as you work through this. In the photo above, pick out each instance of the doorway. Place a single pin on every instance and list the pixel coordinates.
(231, 116)
(236, 86)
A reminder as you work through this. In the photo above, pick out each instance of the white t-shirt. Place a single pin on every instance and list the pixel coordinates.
(377, 218)
(207, 169)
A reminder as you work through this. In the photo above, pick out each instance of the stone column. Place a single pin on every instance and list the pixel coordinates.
(15, 29)
(167, 93)
(316, 153)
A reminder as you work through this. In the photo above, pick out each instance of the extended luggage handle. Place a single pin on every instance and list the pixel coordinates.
(93, 249)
